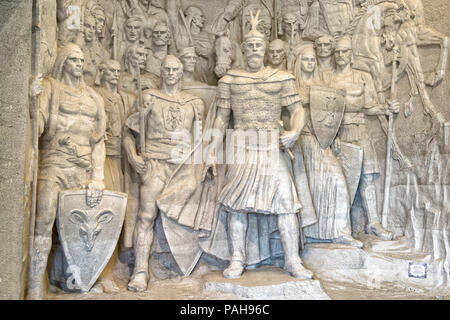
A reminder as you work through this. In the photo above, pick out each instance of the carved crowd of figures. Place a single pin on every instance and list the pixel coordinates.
(132, 74)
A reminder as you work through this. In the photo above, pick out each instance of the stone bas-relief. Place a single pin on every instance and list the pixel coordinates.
(251, 134)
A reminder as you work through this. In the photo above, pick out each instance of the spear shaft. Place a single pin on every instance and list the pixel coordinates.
(390, 133)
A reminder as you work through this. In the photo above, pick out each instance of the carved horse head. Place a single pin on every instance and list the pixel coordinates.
(90, 228)
(228, 55)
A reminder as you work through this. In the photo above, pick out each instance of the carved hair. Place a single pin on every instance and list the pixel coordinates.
(134, 19)
(129, 53)
(298, 72)
(61, 58)
(329, 39)
(190, 12)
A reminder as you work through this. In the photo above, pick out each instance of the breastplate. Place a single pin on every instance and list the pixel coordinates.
(256, 106)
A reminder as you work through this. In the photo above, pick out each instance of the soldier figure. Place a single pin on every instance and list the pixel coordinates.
(331, 17)
(135, 57)
(324, 46)
(93, 51)
(170, 110)
(133, 35)
(72, 154)
(361, 100)
(118, 106)
(256, 182)
(277, 54)
(159, 49)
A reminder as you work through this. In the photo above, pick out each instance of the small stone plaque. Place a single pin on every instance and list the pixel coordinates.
(417, 270)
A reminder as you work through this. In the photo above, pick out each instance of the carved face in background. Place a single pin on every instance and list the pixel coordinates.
(189, 61)
(74, 64)
(137, 57)
(324, 46)
(343, 56)
(111, 72)
(89, 28)
(100, 23)
(196, 15)
(255, 49)
(276, 52)
(160, 35)
(290, 24)
(133, 30)
(171, 71)
(308, 61)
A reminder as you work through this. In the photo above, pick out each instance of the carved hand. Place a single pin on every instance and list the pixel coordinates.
(288, 139)
(94, 193)
(393, 107)
(139, 165)
(36, 85)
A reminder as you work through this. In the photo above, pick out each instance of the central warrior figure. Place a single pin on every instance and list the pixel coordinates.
(258, 181)
(168, 111)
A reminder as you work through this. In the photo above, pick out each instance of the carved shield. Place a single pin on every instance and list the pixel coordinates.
(327, 110)
(351, 157)
(89, 235)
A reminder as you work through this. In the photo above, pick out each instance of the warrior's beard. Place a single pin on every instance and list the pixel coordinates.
(255, 61)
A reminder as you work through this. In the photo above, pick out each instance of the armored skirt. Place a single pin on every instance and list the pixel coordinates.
(259, 181)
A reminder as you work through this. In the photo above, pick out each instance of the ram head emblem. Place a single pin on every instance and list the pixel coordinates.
(90, 227)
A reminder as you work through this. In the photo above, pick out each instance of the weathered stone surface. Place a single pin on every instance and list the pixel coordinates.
(15, 56)
(266, 283)
(379, 263)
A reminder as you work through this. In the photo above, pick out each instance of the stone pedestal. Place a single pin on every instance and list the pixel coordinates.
(266, 283)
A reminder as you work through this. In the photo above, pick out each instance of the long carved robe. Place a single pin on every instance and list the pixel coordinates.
(325, 178)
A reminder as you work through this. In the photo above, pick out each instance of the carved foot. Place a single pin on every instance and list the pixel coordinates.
(378, 230)
(138, 282)
(107, 286)
(297, 270)
(35, 294)
(234, 270)
(348, 240)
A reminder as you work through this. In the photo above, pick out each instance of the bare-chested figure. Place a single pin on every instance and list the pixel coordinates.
(72, 151)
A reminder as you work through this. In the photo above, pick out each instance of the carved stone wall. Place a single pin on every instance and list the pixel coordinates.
(15, 59)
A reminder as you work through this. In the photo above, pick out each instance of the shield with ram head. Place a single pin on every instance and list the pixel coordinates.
(89, 233)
